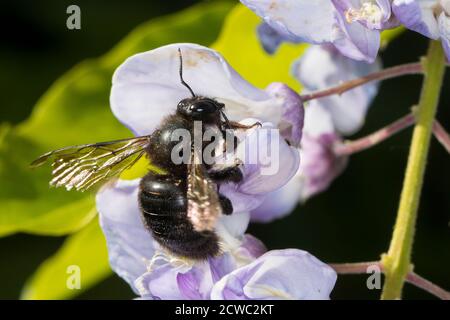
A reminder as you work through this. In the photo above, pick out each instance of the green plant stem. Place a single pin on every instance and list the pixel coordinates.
(397, 262)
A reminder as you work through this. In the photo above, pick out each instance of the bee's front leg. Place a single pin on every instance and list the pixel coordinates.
(236, 125)
(227, 174)
(225, 203)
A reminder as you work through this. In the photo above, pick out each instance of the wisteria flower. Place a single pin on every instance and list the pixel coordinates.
(154, 273)
(428, 17)
(352, 26)
(327, 120)
(145, 89)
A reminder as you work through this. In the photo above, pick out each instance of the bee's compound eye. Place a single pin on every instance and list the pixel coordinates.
(204, 107)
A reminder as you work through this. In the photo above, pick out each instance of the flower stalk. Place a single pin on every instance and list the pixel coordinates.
(361, 144)
(388, 73)
(441, 135)
(397, 261)
(413, 278)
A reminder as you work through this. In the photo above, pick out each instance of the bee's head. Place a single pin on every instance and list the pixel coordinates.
(199, 108)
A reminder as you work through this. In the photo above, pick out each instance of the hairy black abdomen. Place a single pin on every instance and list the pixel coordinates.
(163, 206)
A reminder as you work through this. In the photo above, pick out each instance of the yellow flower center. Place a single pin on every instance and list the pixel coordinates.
(369, 12)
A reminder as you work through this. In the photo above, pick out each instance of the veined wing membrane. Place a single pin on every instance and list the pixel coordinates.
(203, 204)
(83, 166)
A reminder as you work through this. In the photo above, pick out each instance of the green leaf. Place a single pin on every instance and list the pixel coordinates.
(389, 35)
(75, 110)
(83, 254)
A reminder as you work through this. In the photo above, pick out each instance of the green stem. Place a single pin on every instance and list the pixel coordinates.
(397, 262)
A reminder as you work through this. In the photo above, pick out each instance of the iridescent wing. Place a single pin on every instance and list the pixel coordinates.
(203, 204)
(83, 166)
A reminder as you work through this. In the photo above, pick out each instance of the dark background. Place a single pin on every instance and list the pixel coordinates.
(351, 222)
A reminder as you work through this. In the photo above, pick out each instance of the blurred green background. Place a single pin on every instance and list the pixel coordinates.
(351, 222)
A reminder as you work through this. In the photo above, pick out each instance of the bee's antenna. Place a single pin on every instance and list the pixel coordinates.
(181, 73)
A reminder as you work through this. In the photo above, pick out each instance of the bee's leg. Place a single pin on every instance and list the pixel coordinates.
(236, 125)
(228, 174)
(225, 203)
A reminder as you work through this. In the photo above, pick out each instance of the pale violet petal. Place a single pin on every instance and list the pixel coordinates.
(417, 15)
(253, 246)
(189, 284)
(318, 169)
(181, 280)
(269, 37)
(372, 15)
(268, 161)
(241, 201)
(161, 283)
(320, 166)
(235, 224)
(318, 120)
(291, 123)
(356, 41)
(445, 4)
(298, 20)
(348, 110)
(279, 203)
(130, 245)
(278, 274)
(444, 28)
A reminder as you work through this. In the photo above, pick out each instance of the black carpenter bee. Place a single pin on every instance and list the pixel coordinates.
(180, 206)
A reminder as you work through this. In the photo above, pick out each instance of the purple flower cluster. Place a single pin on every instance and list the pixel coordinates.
(145, 90)
(327, 120)
(352, 26)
